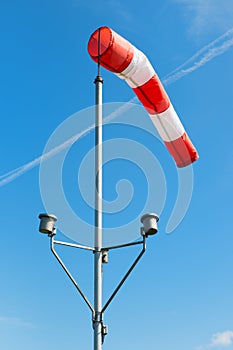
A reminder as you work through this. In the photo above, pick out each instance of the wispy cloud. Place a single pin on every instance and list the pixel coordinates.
(14, 322)
(198, 60)
(220, 339)
(207, 15)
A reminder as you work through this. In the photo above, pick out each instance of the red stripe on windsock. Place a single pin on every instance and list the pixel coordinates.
(116, 53)
(130, 64)
(153, 96)
(182, 150)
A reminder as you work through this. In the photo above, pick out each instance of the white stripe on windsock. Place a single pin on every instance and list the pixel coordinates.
(139, 71)
(168, 124)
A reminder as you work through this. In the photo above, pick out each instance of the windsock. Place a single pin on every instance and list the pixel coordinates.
(118, 55)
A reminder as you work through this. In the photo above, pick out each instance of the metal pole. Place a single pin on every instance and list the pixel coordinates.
(97, 317)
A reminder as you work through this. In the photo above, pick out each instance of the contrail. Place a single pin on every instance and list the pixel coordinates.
(10, 176)
(202, 51)
(215, 48)
(201, 57)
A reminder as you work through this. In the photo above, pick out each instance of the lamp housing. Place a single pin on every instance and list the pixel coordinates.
(149, 222)
(47, 222)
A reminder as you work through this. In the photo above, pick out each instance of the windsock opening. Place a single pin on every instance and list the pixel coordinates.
(118, 55)
(115, 52)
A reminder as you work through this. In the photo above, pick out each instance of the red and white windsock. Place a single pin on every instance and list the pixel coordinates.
(119, 56)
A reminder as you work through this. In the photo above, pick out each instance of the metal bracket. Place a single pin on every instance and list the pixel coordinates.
(97, 317)
(52, 242)
(129, 271)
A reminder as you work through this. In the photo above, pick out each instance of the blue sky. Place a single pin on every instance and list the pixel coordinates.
(180, 296)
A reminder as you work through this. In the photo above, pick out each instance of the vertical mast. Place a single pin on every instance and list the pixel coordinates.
(98, 211)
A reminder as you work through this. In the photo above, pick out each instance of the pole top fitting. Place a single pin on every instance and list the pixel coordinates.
(98, 79)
